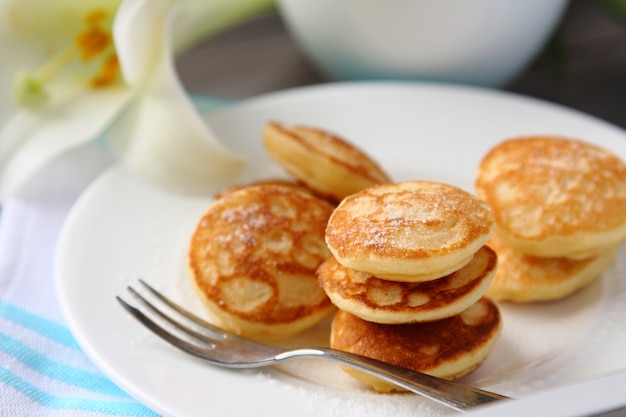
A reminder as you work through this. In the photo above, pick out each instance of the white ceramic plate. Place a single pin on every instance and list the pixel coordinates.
(123, 228)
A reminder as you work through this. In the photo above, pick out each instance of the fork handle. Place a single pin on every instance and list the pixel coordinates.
(453, 394)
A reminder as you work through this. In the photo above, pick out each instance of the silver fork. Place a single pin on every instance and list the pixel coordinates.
(222, 348)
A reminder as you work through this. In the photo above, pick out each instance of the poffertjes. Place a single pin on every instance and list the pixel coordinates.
(253, 257)
(525, 278)
(555, 196)
(450, 348)
(389, 302)
(326, 163)
(412, 231)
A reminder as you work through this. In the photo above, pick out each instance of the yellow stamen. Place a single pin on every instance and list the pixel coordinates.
(48, 70)
(94, 41)
(107, 74)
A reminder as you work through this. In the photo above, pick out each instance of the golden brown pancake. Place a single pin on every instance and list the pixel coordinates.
(388, 302)
(525, 278)
(253, 257)
(324, 162)
(450, 348)
(555, 196)
(411, 231)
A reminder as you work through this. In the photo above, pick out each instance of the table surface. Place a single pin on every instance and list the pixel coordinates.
(586, 71)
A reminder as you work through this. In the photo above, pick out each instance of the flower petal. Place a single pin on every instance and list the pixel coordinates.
(136, 37)
(33, 138)
(161, 135)
(32, 31)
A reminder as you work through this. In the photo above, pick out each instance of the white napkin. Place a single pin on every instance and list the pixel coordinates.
(43, 372)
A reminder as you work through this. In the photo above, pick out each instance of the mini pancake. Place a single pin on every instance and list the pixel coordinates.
(525, 278)
(411, 231)
(326, 163)
(388, 302)
(450, 348)
(253, 257)
(555, 196)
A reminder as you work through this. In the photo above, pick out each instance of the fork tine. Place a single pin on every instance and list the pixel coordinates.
(229, 350)
(189, 315)
(164, 334)
(185, 329)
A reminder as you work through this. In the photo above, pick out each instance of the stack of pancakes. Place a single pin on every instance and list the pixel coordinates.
(406, 263)
(559, 205)
(408, 274)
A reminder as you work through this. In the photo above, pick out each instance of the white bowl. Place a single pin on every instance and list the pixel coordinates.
(480, 42)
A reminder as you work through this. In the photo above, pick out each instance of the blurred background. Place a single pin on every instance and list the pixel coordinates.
(583, 66)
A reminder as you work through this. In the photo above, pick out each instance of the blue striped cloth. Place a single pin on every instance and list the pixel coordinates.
(43, 371)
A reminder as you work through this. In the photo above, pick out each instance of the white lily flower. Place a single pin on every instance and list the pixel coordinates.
(78, 67)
